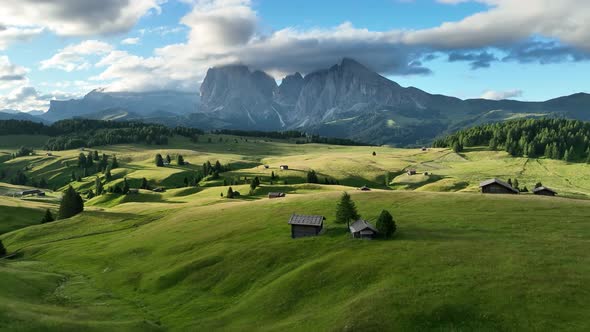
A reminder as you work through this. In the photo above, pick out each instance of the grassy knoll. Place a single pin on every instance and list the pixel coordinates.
(459, 262)
(189, 259)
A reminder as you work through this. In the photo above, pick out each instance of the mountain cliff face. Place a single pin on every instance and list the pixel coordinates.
(349, 100)
(141, 103)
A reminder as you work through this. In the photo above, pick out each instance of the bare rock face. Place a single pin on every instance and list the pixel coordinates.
(290, 89)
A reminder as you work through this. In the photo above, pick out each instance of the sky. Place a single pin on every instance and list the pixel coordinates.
(495, 49)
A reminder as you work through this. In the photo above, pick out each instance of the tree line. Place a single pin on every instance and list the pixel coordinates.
(562, 139)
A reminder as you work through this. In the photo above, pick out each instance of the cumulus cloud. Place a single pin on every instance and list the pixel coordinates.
(74, 56)
(11, 75)
(27, 98)
(500, 95)
(9, 35)
(228, 32)
(130, 41)
(77, 17)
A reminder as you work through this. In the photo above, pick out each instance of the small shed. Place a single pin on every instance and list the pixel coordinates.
(158, 190)
(411, 172)
(361, 229)
(266, 166)
(30, 192)
(49, 154)
(306, 225)
(424, 148)
(364, 188)
(544, 191)
(284, 167)
(276, 195)
(496, 186)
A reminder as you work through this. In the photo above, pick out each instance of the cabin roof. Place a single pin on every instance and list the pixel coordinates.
(497, 181)
(307, 220)
(361, 225)
(536, 190)
(276, 194)
(364, 188)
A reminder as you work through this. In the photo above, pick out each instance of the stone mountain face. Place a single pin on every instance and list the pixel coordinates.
(141, 103)
(349, 100)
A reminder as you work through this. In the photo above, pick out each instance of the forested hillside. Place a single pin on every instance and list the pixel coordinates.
(563, 139)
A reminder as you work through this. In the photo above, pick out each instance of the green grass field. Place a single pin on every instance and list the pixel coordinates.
(188, 259)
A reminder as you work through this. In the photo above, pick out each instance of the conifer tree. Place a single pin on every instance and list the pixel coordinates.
(168, 159)
(125, 189)
(89, 160)
(180, 160)
(114, 163)
(107, 175)
(98, 186)
(346, 210)
(159, 160)
(48, 217)
(2, 249)
(71, 204)
(230, 193)
(385, 224)
(144, 184)
(81, 160)
(312, 177)
(95, 156)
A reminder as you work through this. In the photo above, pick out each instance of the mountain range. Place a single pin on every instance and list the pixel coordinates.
(346, 100)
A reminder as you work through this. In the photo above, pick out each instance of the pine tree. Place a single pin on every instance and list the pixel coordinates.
(180, 160)
(90, 194)
(230, 193)
(346, 210)
(48, 217)
(374, 153)
(538, 185)
(144, 184)
(385, 224)
(312, 177)
(168, 159)
(95, 156)
(125, 189)
(159, 160)
(515, 184)
(81, 160)
(114, 163)
(98, 186)
(71, 204)
(107, 175)
(272, 175)
(510, 182)
(2, 249)
(89, 160)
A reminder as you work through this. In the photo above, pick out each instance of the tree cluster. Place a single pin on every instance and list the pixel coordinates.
(562, 139)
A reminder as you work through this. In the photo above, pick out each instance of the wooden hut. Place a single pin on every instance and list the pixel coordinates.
(496, 186)
(303, 225)
(361, 229)
(284, 167)
(276, 195)
(411, 172)
(364, 188)
(544, 191)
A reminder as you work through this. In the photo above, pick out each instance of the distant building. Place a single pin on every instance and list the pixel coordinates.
(49, 154)
(495, 186)
(158, 190)
(364, 188)
(30, 192)
(303, 226)
(362, 229)
(411, 172)
(284, 167)
(424, 148)
(266, 166)
(276, 195)
(544, 191)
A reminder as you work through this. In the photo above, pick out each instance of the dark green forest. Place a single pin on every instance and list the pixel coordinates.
(562, 139)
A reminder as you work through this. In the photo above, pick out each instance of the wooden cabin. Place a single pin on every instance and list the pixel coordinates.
(496, 186)
(304, 225)
(361, 229)
(158, 190)
(284, 167)
(30, 192)
(276, 195)
(424, 148)
(364, 188)
(266, 166)
(544, 191)
(411, 172)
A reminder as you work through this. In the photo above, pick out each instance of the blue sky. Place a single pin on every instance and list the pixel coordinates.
(526, 50)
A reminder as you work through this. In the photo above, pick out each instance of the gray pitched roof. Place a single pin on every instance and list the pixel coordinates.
(297, 219)
(360, 225)
(536, 190)
(276, 194)
(498, 181)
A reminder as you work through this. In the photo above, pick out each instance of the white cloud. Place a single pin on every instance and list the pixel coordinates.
(499, 95)
(77, 17)
(9, 35)
(130, 41)
(11, 75)
(26, 98)
(74, 57)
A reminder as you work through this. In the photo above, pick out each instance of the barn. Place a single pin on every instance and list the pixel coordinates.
(276, 195)
(306, 225)
(544, 191)
(284, 167)
(412, 172)
(362, 229)
(496, 186)
(364, 188)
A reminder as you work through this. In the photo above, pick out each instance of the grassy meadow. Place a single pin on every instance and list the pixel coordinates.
(189, 259)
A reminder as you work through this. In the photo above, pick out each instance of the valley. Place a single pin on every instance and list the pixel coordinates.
(189, 259)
